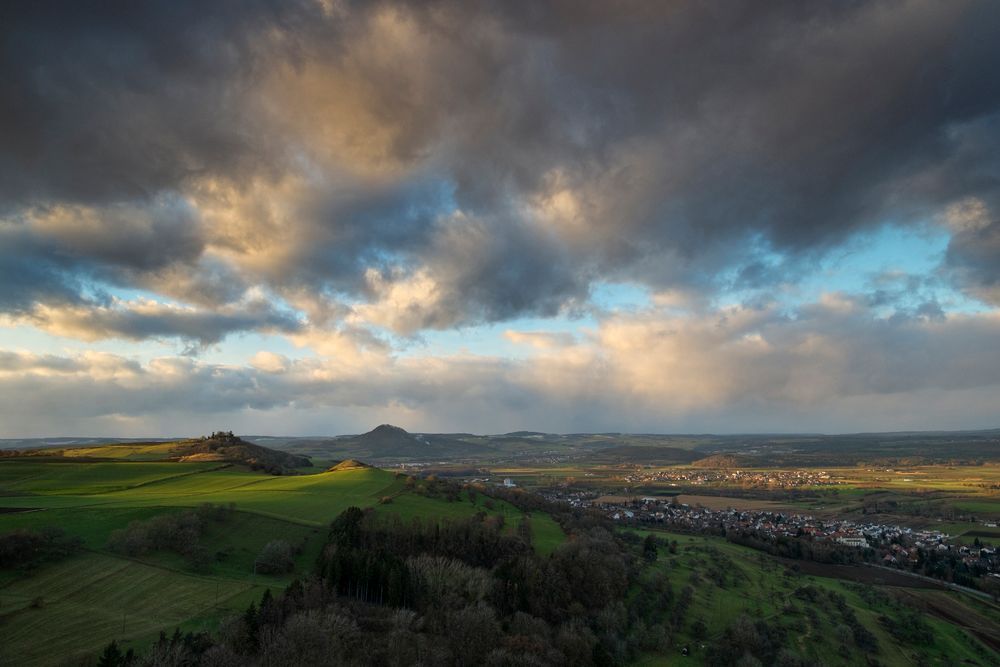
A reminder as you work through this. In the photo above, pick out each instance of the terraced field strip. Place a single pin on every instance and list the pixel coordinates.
(83, 603)
(73, 608)
(305, 499)
(82, 479)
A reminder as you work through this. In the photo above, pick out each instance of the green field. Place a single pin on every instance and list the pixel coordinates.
(74, 607)
(730, 580)
(87, 601)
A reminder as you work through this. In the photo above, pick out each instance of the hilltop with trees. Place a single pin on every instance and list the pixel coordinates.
(221, 446)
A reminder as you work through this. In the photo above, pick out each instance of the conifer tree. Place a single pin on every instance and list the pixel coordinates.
(112, 656)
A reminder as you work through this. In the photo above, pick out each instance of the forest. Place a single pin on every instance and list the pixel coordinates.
(468, 591)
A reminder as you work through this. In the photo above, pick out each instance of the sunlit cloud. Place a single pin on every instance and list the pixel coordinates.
(354, 179)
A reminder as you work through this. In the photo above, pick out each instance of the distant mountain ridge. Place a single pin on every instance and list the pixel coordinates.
(387, 436)
(390, 444)
(389, 441)
(71, 441)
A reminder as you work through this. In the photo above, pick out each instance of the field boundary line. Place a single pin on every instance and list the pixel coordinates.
(161, 480)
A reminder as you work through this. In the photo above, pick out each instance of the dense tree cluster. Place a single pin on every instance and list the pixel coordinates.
(459, 592)
(749, 642)
(798, 548)
(571, 519)
(853, 635)
(25, 548)
(909, 628)
(179, 533)
(474, 592)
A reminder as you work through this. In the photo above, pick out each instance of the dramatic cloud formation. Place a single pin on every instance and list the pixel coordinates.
(833, 360)
(356, 189)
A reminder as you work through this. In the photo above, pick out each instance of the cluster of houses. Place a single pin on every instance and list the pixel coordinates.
(891, 545)
(771, 479)
(766, 523)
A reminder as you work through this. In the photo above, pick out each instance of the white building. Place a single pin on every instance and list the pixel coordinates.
(853, 541)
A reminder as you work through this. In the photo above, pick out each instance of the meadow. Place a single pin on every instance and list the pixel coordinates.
(729, 581)
(74, 607)
(68, 610)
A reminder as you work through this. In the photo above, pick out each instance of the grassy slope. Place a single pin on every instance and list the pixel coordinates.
(757, 586)
(84, 597)
(87, 599)
(88, 478)
(546, 533)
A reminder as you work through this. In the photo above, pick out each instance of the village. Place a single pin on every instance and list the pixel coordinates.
(770, 479)
(931, 552)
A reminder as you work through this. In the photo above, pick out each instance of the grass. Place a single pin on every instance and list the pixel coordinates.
(547, 535)
(757, 585)
(309, 499)
(985, 507)
(130, 452)
(86, 601)
(89, 478)
(85, 597)
(966, 532)
(93, 525)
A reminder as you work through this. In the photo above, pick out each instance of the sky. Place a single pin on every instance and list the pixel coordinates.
(314, 216)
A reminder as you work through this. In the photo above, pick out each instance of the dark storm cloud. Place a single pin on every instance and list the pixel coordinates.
(26, 279)
(352, 230)
(56, 262)
(104, 100)
(142, 320)
(669, 143)
(498, 277)
(478, 275)
(106, 111)
(973, 261)
(804, 122)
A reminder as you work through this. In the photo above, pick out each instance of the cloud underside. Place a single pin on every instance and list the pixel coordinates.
(430, 165)
(831, 363)
(351, 176)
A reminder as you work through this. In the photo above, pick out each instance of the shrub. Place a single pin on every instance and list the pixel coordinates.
(274, 558)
